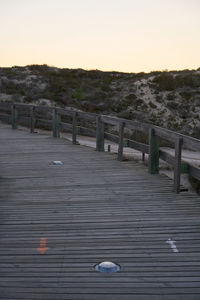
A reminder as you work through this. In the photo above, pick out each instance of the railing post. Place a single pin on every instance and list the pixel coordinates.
(55, 124)
(14, 117)
(121, 137)
(99, 134)
(177, 165)
(32, 119)
(74, 129)
(143, 157)
(153, 152)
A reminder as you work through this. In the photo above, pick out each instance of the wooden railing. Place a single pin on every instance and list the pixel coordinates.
(67, 120)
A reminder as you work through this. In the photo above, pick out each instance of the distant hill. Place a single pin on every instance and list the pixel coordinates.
(168, 99)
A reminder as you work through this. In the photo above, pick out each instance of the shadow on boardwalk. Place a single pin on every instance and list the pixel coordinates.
(92, 208)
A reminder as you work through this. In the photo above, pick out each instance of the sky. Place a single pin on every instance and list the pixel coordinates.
(109, 35)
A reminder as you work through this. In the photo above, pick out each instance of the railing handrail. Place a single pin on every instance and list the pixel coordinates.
(154, 132)
(188, 141)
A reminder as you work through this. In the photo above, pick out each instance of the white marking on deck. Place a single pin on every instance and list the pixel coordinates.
(172, 245)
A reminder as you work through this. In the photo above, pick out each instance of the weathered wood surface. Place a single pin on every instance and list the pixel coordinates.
(90, 209)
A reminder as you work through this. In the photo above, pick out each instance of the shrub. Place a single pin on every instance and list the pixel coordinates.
(139, 102)
(144, 107)
(28, 99)
(191, 80)
(186, 95)
(152, 105)
(118, 89)
(129, 100)
(131, 97)
(105, 88)
(165, 82)
(172, 105)
(170, 96)
(78, 94)
(159, 99)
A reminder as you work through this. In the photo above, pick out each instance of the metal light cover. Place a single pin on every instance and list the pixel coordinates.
(107, 267)
(57, 162)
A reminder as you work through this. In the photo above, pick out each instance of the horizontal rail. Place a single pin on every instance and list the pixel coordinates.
(5, 105)
(66, 126)
(188, 142)
(5, 118)
(138, 146)
(87, 132)
(65, 112)
(171, 160)
(111, 137)
(44, 122)
(194, 172)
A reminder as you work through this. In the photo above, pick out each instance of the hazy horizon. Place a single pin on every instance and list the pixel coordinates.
(52, 66)
(108, 35)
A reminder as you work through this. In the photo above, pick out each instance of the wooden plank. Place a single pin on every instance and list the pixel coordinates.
(46, 109)
(5, 105)
(65, 112)
(22, 107)
(110, 120)
(138, 146)
(5, 118)
(86, 131)
(138, 126)
(80, 130)
(66, 126)
(188, 142)
(87, 116)
(43, 122)
(91, 208)
(111, 137)
(170, 159)
(194, 172)
(166, 157)
(24, 121)
(81, 115)
(129, 124)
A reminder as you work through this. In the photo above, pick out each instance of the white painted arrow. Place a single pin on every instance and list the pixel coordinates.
(172, 245)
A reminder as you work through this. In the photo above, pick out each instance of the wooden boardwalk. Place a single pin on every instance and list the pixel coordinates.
(92, 208)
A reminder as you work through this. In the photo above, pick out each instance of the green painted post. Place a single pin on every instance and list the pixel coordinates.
(14, 117)
(153, 152)
(99, 134)
(74, 129)
(32, 119)
(177, 164)
(56, 123)
(121, 138)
